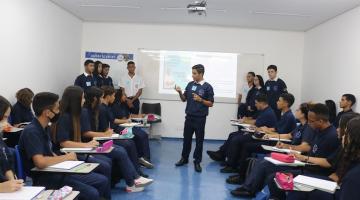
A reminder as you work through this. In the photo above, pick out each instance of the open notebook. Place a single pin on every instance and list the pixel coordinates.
(66, 165)
(316, 183)
(275, 149)
(25, 193)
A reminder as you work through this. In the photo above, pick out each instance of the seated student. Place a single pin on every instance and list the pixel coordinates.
(121, 111)
(332, 161)
(66, 132)
(89, 120)
(35, 146)
(232, 146)
(285, 125)
(86, 80)
(105, 79)
(243, 96)
(324, 143)
(97, 73)
(107, 120)
(300, 141)
(21, 110)
(346, 103)
(250, 98)
(8, 182)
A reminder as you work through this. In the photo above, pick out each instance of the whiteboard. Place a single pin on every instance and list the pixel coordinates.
(148, 63)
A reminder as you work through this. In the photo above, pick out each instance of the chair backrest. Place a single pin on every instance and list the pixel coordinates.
(151, 108)
(19, 164)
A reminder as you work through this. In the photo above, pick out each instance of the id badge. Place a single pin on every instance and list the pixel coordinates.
(194, 88)
(88, 84)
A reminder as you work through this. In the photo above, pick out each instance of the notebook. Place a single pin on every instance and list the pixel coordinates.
(76, 149)
(237, 123)
(131, 124)
(272, 139)
(320, 184)
(66, 165)
(279, 163)
(25, 193)
(271, 148)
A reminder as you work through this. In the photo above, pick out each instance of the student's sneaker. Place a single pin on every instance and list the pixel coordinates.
(134, 188)
(145, 163)
(142, 182)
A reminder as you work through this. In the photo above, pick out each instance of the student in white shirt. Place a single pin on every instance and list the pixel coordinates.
(242, 109)
(132, 84)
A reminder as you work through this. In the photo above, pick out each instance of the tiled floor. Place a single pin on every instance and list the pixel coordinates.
(181, 183)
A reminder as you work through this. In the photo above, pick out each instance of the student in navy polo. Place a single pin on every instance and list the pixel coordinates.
(274, 88)
(121, 111)
(98, 66)
(335, 160)
(284, 127)
(346, 103)
(86, 80)
(121, 162)
(36, 149)
(232, 146)
(105, 78)
(21, 110)
(7, 175)
(250, 98)
(199, 96)
(324, 144)
(107, 120)
(67, 130)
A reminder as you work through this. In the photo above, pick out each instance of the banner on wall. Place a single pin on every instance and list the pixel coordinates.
(117, 62)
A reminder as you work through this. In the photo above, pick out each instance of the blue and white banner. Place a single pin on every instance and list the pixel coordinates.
(117, 62)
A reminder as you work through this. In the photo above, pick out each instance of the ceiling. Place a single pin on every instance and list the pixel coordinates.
(293, 15)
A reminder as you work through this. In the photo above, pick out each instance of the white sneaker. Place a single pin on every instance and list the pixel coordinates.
(142, 182)
(134, 188)
(146, 163)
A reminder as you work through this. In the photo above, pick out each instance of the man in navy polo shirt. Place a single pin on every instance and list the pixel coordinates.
(86, 80)
(199, 96)
(323, 145)
(274, 88)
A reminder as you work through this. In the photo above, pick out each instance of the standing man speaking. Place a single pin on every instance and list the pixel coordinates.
(199, 96)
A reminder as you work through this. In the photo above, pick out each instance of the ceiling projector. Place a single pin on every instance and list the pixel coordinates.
(198, 7)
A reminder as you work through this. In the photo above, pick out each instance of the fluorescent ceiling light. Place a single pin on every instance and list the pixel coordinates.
(279, 14)
(110, 6)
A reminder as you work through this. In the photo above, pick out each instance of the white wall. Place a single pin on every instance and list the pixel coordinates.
(40, 46)
(284, 49)
(332, 59)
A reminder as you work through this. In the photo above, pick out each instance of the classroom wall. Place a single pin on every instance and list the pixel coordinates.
(282, 48)
(332, 59)
(40, 46)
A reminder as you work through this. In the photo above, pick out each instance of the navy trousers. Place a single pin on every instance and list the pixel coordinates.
(141, 140)
(194, 124)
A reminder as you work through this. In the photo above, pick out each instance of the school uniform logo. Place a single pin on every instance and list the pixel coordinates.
(268, 88)
(298, 134)
(201, 92)
(88, 83)
(315, 148)
(275, 88)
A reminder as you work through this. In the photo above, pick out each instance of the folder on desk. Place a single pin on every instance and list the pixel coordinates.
(25, 193)
(66, 165)
(316, 183)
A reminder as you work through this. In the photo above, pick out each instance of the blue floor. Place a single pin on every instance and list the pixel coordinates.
(183, 183)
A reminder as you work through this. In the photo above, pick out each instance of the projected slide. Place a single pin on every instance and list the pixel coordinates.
(220, 71)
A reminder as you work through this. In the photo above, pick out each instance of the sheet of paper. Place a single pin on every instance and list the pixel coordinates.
(66, 165)
(320, 184)
(276, 162)
(131, 124)
(76, 149)
(271, 148)
(26, 193)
